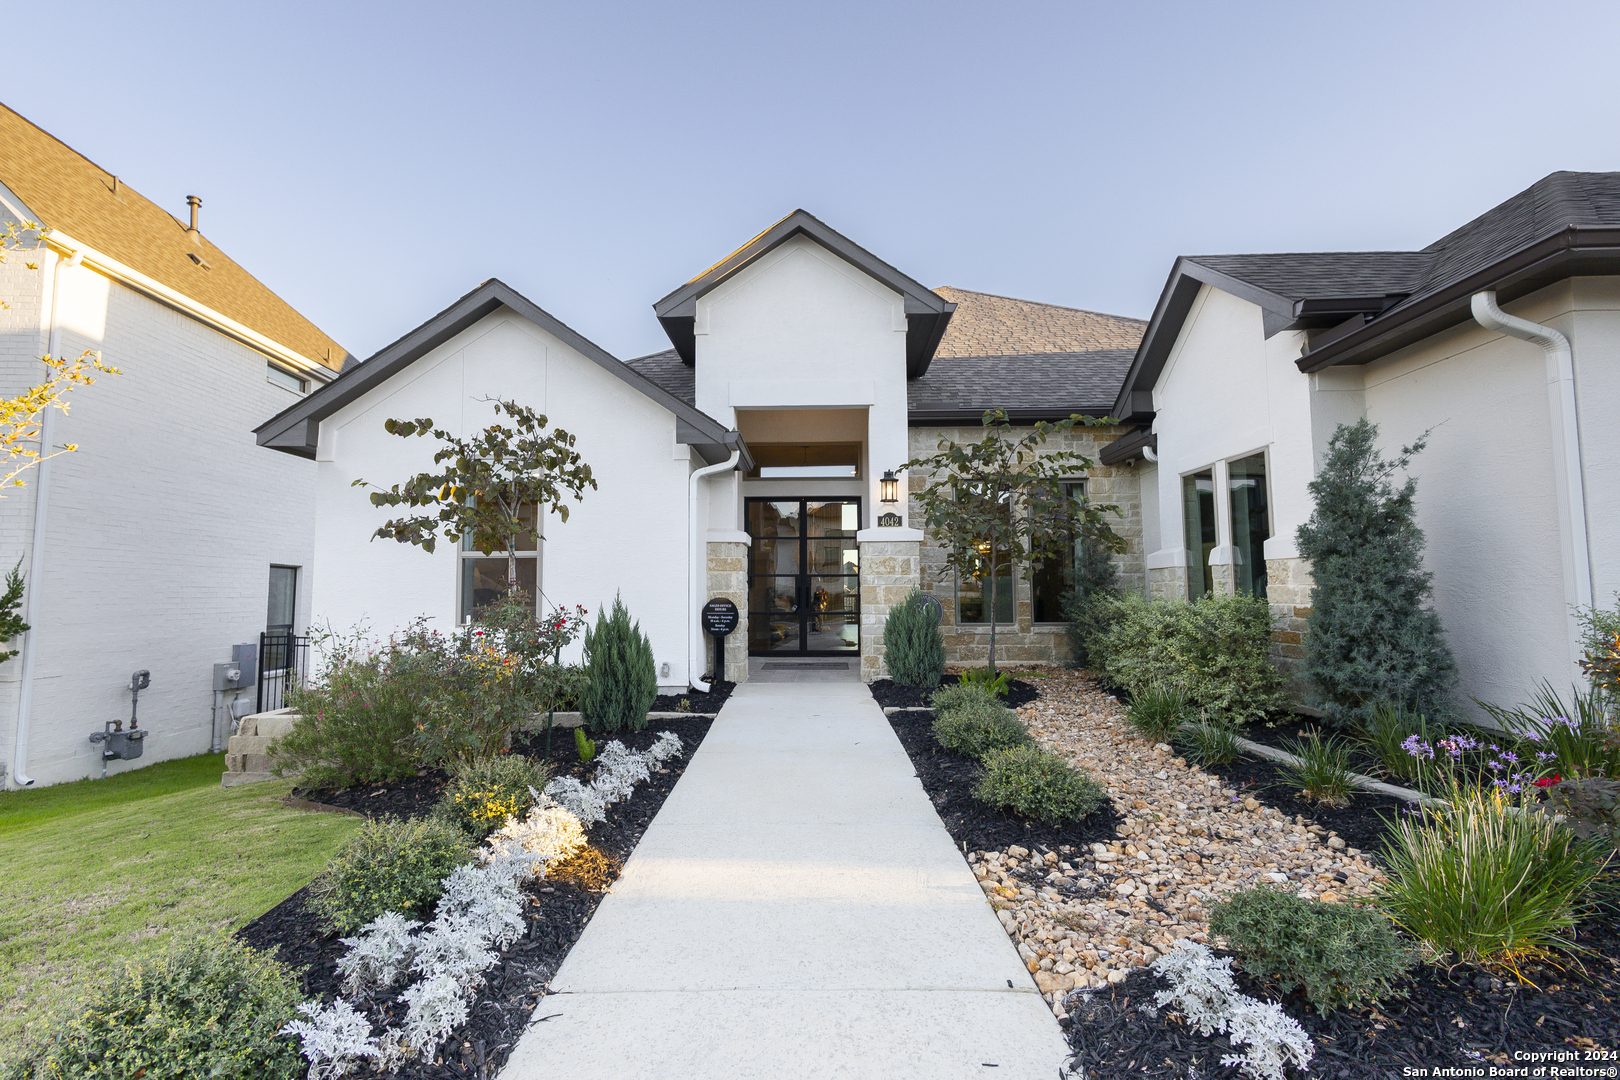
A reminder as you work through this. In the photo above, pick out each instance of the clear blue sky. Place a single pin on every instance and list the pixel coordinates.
(372, 162)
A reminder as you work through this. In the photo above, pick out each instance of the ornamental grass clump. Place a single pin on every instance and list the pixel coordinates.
(978, 729)
(1322, 773)
(1340, 955)
(621, 677)
(1483, 880)
(389, 865)
(209, 1007)
(1386, 734)
(1208, 743)
(1035, 783)
(482, 794)
(912, 646)
(1157, 711)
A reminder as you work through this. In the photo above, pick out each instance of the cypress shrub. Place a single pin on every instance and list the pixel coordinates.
(621, 679)
(1372, 635)
(912, 645)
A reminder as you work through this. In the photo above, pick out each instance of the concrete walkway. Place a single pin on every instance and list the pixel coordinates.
(796, 909)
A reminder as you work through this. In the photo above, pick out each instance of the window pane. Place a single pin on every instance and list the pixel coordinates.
(1198, 519)
(832, 518)
(833, 557)
(283, 597)
(817, 461)
(483, 581)
(972, 595)
(774, 518)
(1251, 522)
(1055, 577)
(284, 379)
(525, 539)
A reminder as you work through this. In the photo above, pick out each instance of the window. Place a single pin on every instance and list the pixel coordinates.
(283, 605)
(817, 461)
(1198, 518)
(285, 379)
(973, 590)
(483, 577)
(1054, 577)
(1251, 523)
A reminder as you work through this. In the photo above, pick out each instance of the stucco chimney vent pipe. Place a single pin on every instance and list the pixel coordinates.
(193, 202)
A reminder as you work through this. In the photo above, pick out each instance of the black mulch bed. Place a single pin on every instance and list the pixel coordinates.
(892, 696)
(695, 702)
(948, 779)
(1467, 1017)
(557, 911)
(1361, 823)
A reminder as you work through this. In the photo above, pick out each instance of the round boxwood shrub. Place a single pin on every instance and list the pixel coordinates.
(482, 794)
(950, 698)
(389, 865)
(1341, 956)
(978, 728)
(1035, 783)
(209, 1006)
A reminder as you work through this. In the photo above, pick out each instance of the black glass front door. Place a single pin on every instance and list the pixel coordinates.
(804, 577)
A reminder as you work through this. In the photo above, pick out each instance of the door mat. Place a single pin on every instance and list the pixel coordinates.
(781, 666)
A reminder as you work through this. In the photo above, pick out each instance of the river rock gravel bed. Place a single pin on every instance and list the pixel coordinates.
(1088, 916)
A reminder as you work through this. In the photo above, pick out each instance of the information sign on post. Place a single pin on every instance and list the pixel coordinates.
(719, 619)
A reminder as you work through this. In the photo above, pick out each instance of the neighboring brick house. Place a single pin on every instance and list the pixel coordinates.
(1251, 362)
(168, 537)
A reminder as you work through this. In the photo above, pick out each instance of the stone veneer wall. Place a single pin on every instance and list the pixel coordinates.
(1288, 589)
(1026, 641)
(728, 577)
(890, 569)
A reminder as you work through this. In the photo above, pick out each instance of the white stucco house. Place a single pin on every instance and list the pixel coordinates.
(168, 537)
(1251, 362)
(746, 462)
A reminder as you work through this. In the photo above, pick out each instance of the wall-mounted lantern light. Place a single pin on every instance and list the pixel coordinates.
(889, 487)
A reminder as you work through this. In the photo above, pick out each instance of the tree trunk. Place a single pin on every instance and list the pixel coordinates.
(511, 565)
(992, 609)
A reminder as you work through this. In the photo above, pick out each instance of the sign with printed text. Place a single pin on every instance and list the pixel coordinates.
(719, 616)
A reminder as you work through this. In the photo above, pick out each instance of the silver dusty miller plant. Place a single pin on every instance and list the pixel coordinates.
(1202, 990)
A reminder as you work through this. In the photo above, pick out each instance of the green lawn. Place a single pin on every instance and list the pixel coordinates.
(101, 871)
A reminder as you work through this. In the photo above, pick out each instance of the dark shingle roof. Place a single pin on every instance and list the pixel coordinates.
(668, 370)
(1048, 384)
(1301, 275)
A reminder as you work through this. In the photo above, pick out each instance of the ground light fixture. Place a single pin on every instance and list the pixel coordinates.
(889, 487)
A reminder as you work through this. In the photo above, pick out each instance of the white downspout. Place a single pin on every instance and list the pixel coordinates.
(1567, 470)
(696, 576)
(36, 556)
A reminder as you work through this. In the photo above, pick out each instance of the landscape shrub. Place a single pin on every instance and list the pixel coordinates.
(389, 865)
(912, 646)
(482, 794)
(951, 698)
(1157, 711)
(1373, 635)
(1323, 771)
(1591, 804)
(974, 730)
(1342, 956)
(209, 1007)
(1085, 604)
(357, 716)
(1035, 783)
(994, 683)
(1217, 650)
(1202, 991)
(621, 677)
(1208, 743)
(1479, 878)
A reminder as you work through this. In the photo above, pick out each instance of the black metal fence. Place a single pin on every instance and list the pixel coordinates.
(283, 662)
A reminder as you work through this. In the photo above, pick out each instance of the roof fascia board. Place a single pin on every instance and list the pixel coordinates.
(1537, 264)
(959, 417)
(1128, 446)
(66, 246)
(289, 429)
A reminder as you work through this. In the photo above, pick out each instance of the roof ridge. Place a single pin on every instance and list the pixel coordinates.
(1039, 303)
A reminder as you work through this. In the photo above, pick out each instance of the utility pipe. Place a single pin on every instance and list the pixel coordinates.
(1567, 470)
(36, 556)
(696, 565)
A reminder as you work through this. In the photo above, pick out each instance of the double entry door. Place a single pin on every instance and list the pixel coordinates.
(804, 577)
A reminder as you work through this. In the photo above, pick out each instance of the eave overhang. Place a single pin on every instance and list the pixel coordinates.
(1569, 252)
(1128, 447)
(296, 429)
(974, 417)
(927, 313)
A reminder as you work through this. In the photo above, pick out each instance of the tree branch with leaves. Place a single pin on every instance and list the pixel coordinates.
(484, 484)
(1000, 501)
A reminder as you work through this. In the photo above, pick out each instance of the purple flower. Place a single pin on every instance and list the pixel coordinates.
(1417, 748)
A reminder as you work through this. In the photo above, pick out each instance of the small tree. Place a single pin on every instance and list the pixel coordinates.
(485, 484)
(912, 646)
(1372, 635)
(1001, 502)
(621, 675)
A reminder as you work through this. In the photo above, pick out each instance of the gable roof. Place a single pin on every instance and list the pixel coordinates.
(927, 314)
(69, 193)
(1368, 304)
(296, 429)
(989, 325)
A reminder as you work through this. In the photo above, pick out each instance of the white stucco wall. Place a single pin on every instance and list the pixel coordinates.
(161, 528)
(629, 535)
